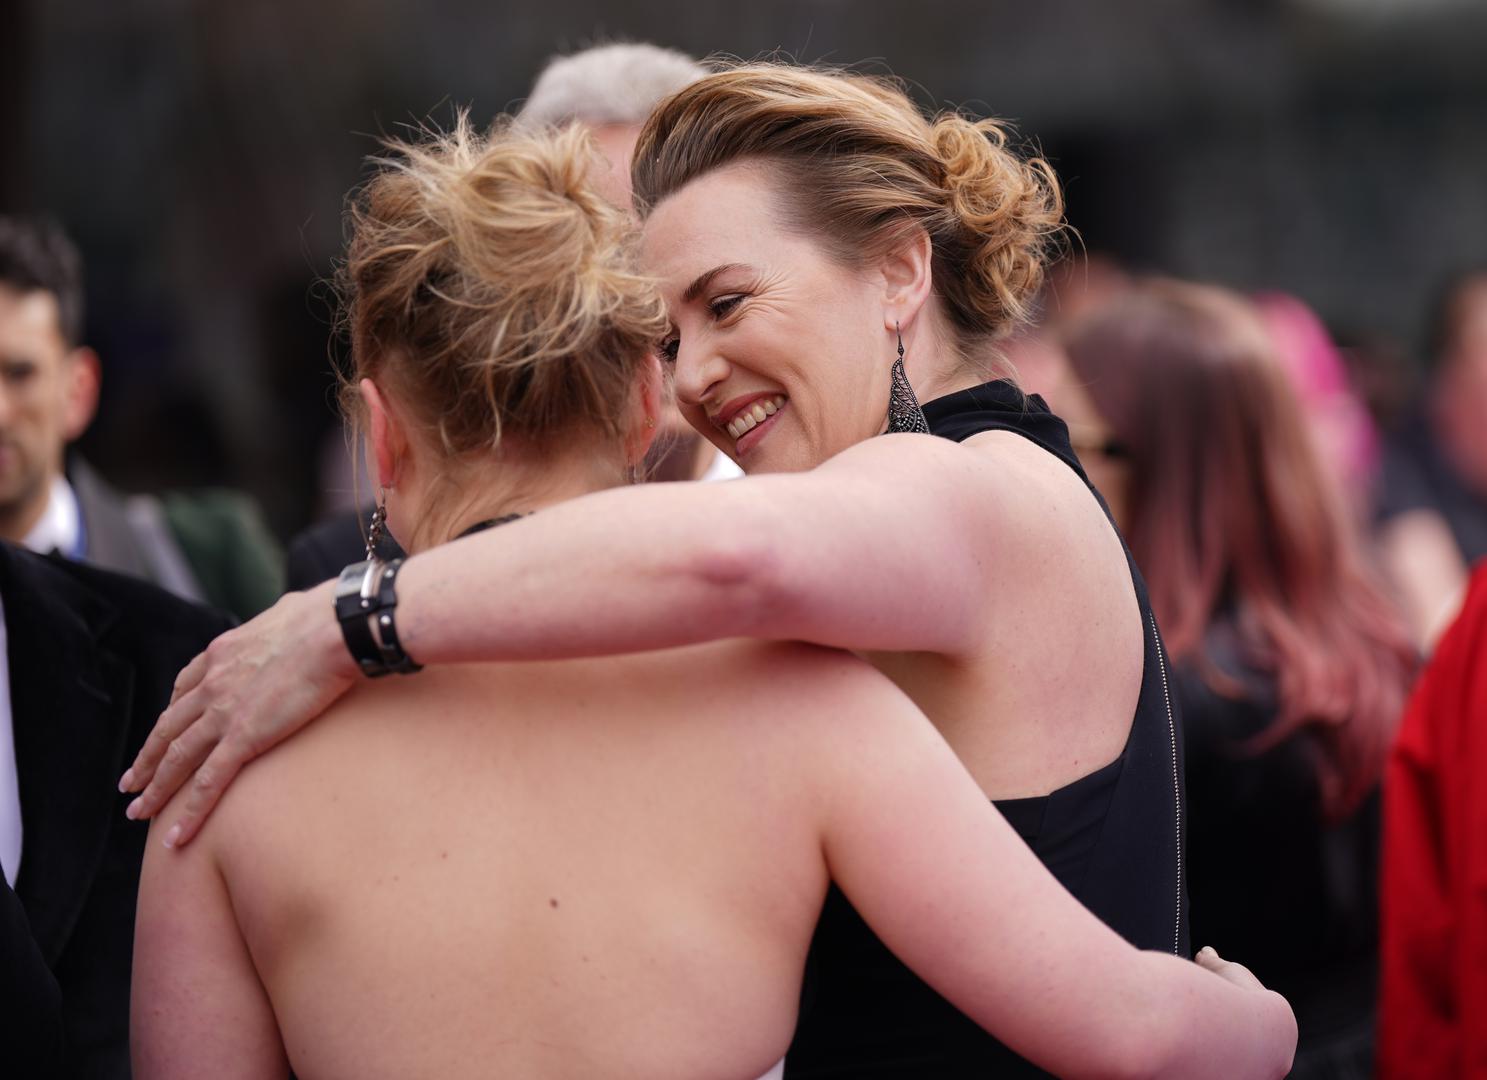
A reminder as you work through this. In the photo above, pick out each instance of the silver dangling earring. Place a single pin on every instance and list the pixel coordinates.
(378, 527)
(904, 413)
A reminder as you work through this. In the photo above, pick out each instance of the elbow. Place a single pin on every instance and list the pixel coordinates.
(1283, 1025)
(1145, 1035)
(1161, 1043)
(1143, 1050)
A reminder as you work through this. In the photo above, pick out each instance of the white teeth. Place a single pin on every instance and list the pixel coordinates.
(771, 408)
(759, 414)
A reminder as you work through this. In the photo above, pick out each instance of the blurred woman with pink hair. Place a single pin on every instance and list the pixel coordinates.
(1290, 662)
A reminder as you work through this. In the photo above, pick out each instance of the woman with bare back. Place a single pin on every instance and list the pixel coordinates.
(828, 259)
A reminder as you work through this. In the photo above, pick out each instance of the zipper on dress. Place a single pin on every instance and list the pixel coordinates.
(1176, 785)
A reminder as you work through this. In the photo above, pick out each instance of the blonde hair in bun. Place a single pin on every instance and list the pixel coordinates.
(861, 165)
(495, 290)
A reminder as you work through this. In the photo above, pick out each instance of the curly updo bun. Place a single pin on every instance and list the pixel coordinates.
(862, 165)
(494, 290)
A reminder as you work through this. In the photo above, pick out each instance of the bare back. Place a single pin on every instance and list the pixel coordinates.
(614, 868)
(562, 869)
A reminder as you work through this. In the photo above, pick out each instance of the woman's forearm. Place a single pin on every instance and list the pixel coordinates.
(1203, 1025)
(822, 558)
(618, 571)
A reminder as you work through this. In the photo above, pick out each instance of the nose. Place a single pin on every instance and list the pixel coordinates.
(699, 371)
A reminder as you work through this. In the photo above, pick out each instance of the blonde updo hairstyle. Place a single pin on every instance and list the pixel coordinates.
(492, 290)
(861, 166)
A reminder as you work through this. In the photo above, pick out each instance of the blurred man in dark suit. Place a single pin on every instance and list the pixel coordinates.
(89, 658)
(207, 546)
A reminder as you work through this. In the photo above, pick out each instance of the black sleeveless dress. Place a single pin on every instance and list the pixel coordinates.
(1113, 838)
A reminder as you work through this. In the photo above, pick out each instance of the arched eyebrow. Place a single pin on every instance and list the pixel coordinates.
(694, 290)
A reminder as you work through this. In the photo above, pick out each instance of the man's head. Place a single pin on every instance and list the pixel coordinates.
(48, 380)
(611, 90)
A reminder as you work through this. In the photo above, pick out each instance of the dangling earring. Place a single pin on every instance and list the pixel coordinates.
(378, 527)
(904, 413)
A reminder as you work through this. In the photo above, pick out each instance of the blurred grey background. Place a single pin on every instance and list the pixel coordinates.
(200, 152)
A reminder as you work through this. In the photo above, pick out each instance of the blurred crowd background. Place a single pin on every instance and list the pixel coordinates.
(199, 154)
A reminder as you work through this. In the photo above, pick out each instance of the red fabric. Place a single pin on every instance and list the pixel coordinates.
(1433, 949)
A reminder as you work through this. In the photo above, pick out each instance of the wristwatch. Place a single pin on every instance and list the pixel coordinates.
(365, 601)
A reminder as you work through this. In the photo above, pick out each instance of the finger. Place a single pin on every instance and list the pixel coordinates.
(182, 756)
(190, 677)
(207, 786)
(1210, 960)
(179, 716)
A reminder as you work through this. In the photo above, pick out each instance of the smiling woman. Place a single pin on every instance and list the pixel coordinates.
(812, 232)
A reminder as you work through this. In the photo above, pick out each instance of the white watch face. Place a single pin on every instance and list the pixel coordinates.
(351, 579)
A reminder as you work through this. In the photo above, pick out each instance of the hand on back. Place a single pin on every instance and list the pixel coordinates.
(253, 687)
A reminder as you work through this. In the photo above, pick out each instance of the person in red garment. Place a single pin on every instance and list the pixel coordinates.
(1433, 995)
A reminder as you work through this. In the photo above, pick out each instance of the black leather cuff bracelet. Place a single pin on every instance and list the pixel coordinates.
(366, 601)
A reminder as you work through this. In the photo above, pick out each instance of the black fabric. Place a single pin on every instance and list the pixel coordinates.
(1272, 884)
(93, 656)
(490, 523)
(322, 551)
(394, 659)
(1112, 838)
(29, 996)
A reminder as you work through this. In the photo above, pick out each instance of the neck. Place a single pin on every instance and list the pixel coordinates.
(932, 362)
(944, 383)
(450, 504)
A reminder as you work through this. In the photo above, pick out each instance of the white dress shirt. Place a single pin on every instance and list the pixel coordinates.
(10, 786)
(61, 524)
(722, 468)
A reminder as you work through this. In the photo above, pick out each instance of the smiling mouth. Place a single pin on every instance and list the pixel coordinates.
(754, 415)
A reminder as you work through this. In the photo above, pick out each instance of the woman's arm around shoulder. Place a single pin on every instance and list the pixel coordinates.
(892, 545)
(947, 884)
(887, 546)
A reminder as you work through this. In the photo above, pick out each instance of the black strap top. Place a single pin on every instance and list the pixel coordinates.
(1113, 838)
